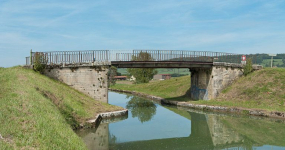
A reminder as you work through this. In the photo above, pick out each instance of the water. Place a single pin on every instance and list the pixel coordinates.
(150, 125)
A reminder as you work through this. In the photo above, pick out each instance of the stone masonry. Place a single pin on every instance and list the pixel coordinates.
(207, 83)
(90, 80)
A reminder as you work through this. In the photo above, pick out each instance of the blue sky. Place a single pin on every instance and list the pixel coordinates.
(235, 26)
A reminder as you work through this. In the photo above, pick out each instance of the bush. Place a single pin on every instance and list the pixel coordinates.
(247, 69)
(39, 62)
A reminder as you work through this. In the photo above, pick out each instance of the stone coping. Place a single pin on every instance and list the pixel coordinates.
(112, 115)
(238, 110)
(236, 65)
(93, 64)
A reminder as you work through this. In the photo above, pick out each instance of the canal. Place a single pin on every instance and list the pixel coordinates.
(150, 125)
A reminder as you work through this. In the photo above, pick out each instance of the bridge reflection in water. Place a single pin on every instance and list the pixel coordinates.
(206, 131)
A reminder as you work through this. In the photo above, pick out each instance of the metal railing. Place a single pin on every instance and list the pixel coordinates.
(181, 55)
(72, 57)
(89, 56)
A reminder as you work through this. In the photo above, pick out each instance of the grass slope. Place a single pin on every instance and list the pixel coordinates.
(263, 89)
(175, 88)
(181, 71)
(37, 112)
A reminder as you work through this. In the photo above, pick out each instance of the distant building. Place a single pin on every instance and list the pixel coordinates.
(132, 78)
(162, 76)
(120, 77)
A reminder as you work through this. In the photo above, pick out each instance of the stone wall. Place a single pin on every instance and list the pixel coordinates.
(207, 83)
(91, 80)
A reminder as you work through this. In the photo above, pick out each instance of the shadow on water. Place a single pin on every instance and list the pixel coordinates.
(207, 130)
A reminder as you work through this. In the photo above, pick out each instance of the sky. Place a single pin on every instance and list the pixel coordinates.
(233, 26)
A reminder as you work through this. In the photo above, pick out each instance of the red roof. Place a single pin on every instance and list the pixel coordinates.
(119, 77)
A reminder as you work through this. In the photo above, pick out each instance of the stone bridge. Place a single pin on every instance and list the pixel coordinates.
(87, 71)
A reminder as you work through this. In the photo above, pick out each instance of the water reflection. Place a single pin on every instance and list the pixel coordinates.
(200, 130)
(141, 108)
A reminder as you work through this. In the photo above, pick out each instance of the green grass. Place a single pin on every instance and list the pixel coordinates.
(181, 71)
(264, 89)
(37, 112)
(175, 88)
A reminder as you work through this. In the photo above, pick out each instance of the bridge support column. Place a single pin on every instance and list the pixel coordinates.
(207, 83)
(90, 80)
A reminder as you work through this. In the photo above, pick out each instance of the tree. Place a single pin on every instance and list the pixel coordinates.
(142, 75)
(247, 69)
(141, 108)
(112, 73)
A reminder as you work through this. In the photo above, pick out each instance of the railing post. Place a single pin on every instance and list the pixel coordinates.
(79, 57)
(31, 59)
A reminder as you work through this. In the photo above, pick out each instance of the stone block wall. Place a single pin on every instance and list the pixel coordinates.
(207, 83)
(91, 80)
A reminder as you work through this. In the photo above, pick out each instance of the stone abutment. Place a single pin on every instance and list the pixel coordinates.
(90, 80)
(207, 83)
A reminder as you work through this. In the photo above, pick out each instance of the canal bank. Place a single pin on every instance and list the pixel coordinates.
(238, 110)
(151, 125)
(259, 93)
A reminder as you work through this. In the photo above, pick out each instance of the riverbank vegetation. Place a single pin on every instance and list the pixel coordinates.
(263, 89)
(37, 112)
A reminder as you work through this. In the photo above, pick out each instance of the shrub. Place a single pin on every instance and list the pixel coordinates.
(39, 62)
(247, 69)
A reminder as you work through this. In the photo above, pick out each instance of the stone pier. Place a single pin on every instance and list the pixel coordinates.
(207, 83)
(90, 80)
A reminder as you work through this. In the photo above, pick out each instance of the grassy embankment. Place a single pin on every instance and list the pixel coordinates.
(263, 89)
(174, 89)
(180, 71)
(37, 112)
